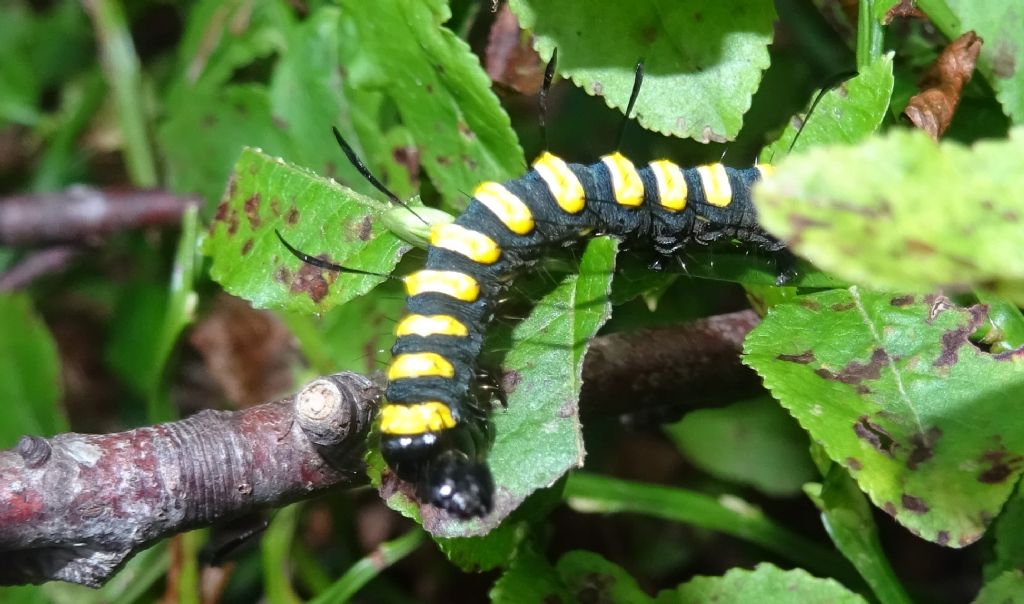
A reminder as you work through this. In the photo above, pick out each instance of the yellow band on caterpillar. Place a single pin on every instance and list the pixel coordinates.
(431, 325)
(472, 244)
(626, 183)
(715, 180)
(672, 189)
(419, 364)
(565, 187)
(509, 209)
(765, 169)
(406, 420)
(450, 283)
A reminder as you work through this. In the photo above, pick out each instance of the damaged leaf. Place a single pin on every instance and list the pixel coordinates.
(895, 391)
(314, 214)
(903, 213)
(932, 109)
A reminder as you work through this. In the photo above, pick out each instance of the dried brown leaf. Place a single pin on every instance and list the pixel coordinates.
(904, 10)
(247, 352)
(510, 57)
(933, 108)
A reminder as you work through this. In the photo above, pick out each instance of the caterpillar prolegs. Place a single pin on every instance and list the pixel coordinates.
(430, 429)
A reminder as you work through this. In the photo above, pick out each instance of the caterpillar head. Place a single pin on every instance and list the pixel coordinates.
(460, 486)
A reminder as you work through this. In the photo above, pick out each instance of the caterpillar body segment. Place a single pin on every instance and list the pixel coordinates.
(434, 430)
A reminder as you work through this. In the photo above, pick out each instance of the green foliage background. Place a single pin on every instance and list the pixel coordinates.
(887, 397)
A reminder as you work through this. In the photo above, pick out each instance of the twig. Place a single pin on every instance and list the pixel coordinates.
(81, 213)
(689, 366)
(37, 264)
(75, 507)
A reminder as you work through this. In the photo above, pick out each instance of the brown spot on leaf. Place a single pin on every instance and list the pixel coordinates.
(275, 205)
(922, 447)
(855, 372)
(932, 109)
(916, 246)
(282, 275)
(953, 339)
(279, 122)
(810, 304)
(232, 222)
(365, 228)
(942, 538)
(889, 508)
(938, 305)
(843, 307)
(444, 161)
(854, 464)
(1001, 465)
(408, 156)
(800, 223)
(902, 301)
(310, 280)
(252, 210)
(1004, 62)
(292, 217)
(802, 358)
(510, 380)
(247, 246)
(914, 504)
(875, 435)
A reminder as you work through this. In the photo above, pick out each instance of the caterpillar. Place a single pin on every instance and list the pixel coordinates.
(427, 425)
(432, 427)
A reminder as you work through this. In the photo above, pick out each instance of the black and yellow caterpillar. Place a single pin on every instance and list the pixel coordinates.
(430, 428)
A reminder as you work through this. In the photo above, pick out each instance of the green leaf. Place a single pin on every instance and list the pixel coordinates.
(314, 214)
(766, 584)
(895, 392)
(442, 94)
(1008, 588)
(369, 567)
(903, 213)
(481, 554)
(530, 578)
(848, 519)
(753, 442)
(1002, 55)
(29, 373)
(537, 438)
(702, 60)
(731, 515)
(1008, 532)
(222, 37)
(591, 578)
(846, 114)
(201, 139)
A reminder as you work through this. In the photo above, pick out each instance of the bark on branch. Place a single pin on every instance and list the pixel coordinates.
(76, 506)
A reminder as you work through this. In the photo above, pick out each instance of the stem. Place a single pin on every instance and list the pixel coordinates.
(370, 566)
(121, 66)
(870, 36)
